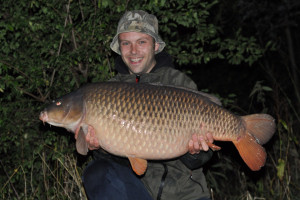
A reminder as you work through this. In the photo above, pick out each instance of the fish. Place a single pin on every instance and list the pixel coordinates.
(155, 122)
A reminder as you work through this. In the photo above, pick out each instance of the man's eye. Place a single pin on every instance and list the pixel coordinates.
(124, 43)
(142, 42)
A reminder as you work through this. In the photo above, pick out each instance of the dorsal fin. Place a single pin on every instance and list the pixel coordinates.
(210, 97)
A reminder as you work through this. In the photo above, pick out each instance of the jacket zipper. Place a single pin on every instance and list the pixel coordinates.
(137, 78)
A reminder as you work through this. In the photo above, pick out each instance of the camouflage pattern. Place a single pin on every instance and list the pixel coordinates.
(138, 21)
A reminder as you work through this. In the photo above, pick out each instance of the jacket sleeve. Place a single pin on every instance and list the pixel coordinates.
(196, 160)
(177, 78)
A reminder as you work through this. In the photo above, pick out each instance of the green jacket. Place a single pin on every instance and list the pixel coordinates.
(181, 178)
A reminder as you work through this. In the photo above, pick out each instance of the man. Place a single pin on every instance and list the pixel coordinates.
(110, 177)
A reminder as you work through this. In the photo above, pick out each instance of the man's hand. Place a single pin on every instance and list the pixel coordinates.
(91, 139)
(199, 143)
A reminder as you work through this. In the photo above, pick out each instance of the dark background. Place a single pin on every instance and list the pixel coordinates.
(245, 52)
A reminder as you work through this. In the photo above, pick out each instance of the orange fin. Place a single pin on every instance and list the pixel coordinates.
(261, 126)
(213, 146)
(138, 165)
(253, 154)
(81, 144)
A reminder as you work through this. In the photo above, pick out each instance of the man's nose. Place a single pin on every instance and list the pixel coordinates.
(133, 49)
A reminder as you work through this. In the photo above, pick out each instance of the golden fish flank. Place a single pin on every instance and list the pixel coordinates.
(143, 121)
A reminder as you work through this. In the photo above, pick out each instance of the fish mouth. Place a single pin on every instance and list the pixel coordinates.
(44, 116)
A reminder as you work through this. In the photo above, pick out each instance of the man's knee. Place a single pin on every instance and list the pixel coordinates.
(110, 180)
(95, 171)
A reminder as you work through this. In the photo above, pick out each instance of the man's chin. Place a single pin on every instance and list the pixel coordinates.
(135, 70)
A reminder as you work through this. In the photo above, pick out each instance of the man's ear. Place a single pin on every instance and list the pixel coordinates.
(156, 46)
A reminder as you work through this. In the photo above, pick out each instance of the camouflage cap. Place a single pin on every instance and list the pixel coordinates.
(138, 21)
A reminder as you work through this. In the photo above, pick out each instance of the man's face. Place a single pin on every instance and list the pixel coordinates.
(137, 51)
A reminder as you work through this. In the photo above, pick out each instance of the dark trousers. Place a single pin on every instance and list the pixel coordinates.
(107, 180)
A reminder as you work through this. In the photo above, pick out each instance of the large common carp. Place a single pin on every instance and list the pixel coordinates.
(143, 121)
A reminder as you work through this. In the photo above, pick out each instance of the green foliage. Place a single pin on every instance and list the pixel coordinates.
(49, 48)
(193, 39)
(260, 91)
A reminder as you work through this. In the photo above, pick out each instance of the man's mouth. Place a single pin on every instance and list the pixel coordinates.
(135, 60)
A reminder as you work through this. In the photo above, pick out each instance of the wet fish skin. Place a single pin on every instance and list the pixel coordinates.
(142, 121)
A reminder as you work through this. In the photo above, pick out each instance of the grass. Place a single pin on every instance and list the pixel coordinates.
(56, 179)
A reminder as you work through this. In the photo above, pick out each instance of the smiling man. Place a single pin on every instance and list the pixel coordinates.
(138, 51)
(142, 60)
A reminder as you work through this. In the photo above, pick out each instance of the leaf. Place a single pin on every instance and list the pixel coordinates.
(280, 168)
(283, 123)
(266, 88)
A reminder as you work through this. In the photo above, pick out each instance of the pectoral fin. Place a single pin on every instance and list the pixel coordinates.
(138, 165)
(81, 144)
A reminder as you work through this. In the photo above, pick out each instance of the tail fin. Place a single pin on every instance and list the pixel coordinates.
(259, 128)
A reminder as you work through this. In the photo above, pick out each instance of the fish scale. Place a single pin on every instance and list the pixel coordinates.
(176, 120)
(143, 121)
